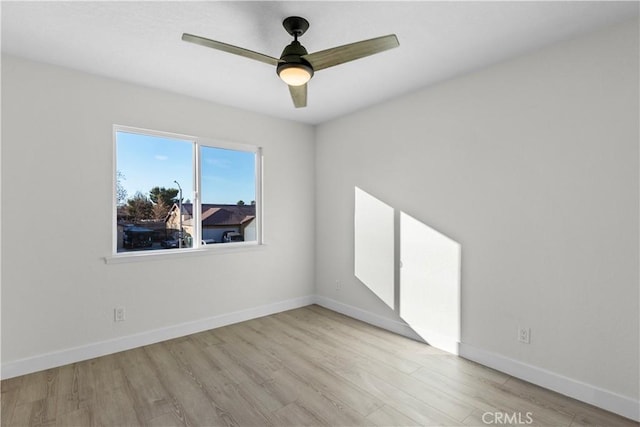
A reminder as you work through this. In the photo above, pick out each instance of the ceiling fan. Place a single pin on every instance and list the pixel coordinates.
(295, 66)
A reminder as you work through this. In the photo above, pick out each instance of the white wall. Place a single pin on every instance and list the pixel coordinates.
(57, 166)
(532, 166)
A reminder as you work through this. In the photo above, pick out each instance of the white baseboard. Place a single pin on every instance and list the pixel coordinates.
(102, 348)
(605, 399)
(441, 342)
(399, 328)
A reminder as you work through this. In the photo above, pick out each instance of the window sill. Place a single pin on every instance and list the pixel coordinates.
(167, 254)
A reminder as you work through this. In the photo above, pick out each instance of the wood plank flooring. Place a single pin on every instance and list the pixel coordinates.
(305, 367)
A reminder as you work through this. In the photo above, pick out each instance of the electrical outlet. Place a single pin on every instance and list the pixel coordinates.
(524, 335)
(119, 314)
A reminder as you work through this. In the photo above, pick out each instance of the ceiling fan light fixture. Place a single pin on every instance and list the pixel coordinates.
(295, 74)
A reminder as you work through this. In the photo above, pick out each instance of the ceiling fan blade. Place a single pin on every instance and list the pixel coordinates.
(348, 52)
(230, 49)
(299, 95)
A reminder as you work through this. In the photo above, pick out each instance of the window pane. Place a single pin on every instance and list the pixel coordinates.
(228, 187)
(149, 173)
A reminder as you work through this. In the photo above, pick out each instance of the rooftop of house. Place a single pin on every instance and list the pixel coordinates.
(219, 214)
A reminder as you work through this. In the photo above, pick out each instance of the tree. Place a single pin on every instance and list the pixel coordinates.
(160, 210)
(240, 203)
(139, 207)
(121, 192)
(162, 199)
(168, 196)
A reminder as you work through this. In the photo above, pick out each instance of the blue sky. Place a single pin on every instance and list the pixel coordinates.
(149, 161)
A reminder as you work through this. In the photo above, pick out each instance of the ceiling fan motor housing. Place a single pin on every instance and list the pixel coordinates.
(292, 57)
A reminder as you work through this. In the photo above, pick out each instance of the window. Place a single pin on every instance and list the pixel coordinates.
(174, 192)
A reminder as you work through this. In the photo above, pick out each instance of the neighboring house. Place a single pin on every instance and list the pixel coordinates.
(216, 220)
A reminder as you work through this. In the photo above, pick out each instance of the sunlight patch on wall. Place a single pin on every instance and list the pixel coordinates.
(422, 284)
(430, 283)
(374, 245)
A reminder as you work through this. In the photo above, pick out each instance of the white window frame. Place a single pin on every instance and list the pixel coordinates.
(198, 247)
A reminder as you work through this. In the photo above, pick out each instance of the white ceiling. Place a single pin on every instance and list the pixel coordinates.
(140, 42)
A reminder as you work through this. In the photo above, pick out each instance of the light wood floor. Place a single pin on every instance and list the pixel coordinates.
(308, 366)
